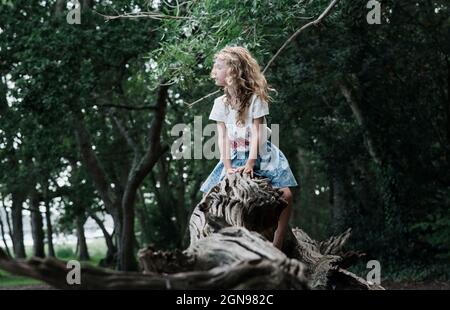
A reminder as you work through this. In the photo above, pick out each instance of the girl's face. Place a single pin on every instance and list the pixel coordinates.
(219, 72)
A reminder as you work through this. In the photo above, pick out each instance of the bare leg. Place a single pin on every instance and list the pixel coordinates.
(284, 219)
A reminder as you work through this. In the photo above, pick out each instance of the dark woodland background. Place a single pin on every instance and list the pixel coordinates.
(86, 113)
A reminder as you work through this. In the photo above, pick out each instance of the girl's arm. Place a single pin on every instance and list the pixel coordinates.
(224, 145)
(254, 143)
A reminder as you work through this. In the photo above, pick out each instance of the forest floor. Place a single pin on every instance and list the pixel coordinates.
(417, 285)
(405, 285)
(64, 251)
(97, 250)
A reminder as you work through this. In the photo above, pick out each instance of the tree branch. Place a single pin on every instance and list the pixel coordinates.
(127, 107)
(155, 148)
(152, 15)
(125, 134)
(352, 101)
(258, 274)
(315, 23)
(190, 105)
(92, 163)
(137, 174)
(292, 37)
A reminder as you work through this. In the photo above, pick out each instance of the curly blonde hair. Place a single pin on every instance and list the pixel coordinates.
(244, 77)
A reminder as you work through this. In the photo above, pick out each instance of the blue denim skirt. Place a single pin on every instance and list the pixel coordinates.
(271, 164)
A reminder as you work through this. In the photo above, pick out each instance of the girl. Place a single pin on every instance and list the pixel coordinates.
(239, 114)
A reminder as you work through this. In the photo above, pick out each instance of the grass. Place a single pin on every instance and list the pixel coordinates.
(7, 280)
(97, 250)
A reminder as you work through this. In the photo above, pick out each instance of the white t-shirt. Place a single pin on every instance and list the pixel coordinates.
(239, 136)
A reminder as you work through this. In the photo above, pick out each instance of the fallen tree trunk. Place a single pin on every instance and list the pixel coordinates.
(260, 266)
(231, 231)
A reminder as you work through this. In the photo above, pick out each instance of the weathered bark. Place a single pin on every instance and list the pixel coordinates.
(37, 230)
(82, 245)
(256, 274)
(238, 201)
(224, 253)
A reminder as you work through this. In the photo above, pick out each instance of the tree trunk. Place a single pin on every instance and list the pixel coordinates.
(447, 109)
(97, 172)
(37, 230)
(82, 245)
(231, 231)
(8, 222)
(118, 221)
(111, 253)
(3, 96)
(2, 231)
(60, 7)
(339, 197)
(48, 221)
(165, 199)
(348, 91)
(17, 225)
(181, 211)
(127, 256)
(143, 219)
(87, 4)
(137, 174)
(122, 208)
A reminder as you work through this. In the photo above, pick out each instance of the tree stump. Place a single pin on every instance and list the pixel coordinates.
(230, 248)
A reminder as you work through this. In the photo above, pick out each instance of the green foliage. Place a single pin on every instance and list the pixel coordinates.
(385, 175)
(65, 252)
(434, 230)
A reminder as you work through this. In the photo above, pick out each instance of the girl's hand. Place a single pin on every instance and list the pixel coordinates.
(248, 168)
(230, 170)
